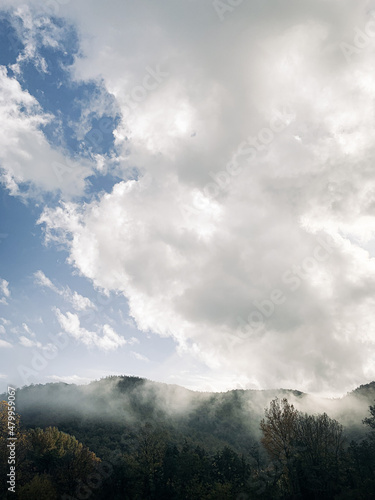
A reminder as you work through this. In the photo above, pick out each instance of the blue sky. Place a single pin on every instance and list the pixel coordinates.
(187, 193)
(28, 312)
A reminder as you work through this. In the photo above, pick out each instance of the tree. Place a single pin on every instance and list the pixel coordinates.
(307, 449)
(61, 457)
(320, 454)
(279, 439)
(151, 449)
(39, 488)
(230, 468)
(361, 464)
(279, 429)
(370, 421)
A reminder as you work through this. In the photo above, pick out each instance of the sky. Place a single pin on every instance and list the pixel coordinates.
(187, 193)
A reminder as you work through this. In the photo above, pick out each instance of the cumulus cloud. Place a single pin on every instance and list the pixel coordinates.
(26, 157)
(106, 340)
(244, 237)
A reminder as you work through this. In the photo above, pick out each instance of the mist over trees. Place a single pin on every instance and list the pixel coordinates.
(127, 438)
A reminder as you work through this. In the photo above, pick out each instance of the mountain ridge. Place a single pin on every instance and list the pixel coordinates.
(218, 418)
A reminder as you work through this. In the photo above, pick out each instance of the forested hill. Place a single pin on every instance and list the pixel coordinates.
(127, 438)
(229, 418)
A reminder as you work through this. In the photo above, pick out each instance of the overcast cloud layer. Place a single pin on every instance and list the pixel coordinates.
(248, 233)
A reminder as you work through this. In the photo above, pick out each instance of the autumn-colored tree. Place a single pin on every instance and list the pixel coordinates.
(60, 456)
(279, 427)
(279, 439)
(39, 488)
(308, 449)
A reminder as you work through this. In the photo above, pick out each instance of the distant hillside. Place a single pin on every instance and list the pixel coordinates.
(122, 404)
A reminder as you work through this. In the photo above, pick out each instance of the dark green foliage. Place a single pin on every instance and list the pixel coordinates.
(370, 421)
(207, 448)
(49, 463)
(311, 458)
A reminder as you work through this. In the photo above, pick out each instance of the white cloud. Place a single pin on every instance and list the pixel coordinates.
(133, 340)
(70, 379)
(4, 288)
(107, 340)
(27, 330)
(25, 154)
(26, 342)
(2, 329)
(79, 302)
(192, 258)
(5, 344)
(4, 291)
(139, 356)
(42, 280)
(35, 33)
